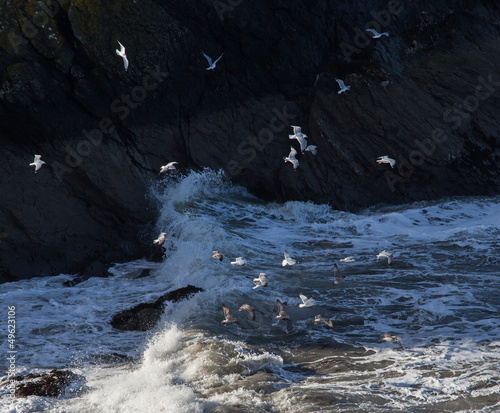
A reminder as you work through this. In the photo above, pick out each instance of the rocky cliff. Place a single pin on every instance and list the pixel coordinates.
(104, 132)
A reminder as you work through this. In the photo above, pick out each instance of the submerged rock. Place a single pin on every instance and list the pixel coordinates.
(144, 316)
(95, 269)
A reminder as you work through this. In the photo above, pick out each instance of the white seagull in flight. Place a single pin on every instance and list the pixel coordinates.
(37, 162)
(291, 158)
(306, 302)
(312, 148)
(376, 34)
(161, 239)
(121, 53)
(343, 87)
(238, 261)
(168, 167)
(261, 280)
(385, 254)
(210, 63)
(386, 159)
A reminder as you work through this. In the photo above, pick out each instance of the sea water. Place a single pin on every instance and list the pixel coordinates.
(441, 295)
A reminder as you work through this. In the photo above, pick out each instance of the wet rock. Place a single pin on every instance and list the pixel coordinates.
(51, 384)
(95, 269)
(144, 316)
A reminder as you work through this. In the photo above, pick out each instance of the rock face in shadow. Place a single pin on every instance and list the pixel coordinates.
(104, 132)
(144, 316)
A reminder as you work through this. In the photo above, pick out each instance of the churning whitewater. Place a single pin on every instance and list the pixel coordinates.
(440, 295)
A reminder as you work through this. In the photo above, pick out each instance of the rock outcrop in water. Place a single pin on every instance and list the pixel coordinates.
(52, 384)
(144, 316)
(104, 132)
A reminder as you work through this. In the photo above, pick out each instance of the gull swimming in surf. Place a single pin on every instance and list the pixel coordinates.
(168, 167)
(238, 261)
(343, 87)
(37, 162)
(249, 309)
(291, 158)
(385, 254)
(210, 63)
(386, 159)
(376, 34)
(260, 281)
(288, 260)
(217, 255)
(122, 54)
(161, 239)
(312, 148)
(306, 302)
(319, 319)
(229, 317)
(348, 259)
(388, 337)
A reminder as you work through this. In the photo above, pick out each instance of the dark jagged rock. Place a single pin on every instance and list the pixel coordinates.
(95, 269)
(144, 316)
(105, 132)
(51, 384)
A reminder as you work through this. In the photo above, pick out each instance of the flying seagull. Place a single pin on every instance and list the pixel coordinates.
(306, 302)
(302, 141)
(161, 239)
(168, 167)
(347, 259)
(210, 63)
(312, 148)
(288, 260)
(319, 319)
(388, 337)
(384, 84)
(343, 87)
(260, 281)
(386, 159)
(376, 34)
(250, 310)
(239, 261)
(282, 315)
(217, 255)
(385, 254)
(291, 158)
(336, 270)
(229, 317)
(37, 162)
(121, 53)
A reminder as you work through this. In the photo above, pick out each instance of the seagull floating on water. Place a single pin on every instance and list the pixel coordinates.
(343, 87)
(249, 309)
(291, 158)
(348, 259)
(239, 261)
(122, 54)
(161, 239)
(217, 255)
(306, 302)
(385, 254)
(210, 63)
(260, 281)
(168, 167)
(229, 317)
(319, 319)
(386, 159)
(376, 34)
(288, 260)
(37, 162)
(388, 337)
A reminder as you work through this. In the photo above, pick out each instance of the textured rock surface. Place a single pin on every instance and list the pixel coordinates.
(51, 384)
(105, 132)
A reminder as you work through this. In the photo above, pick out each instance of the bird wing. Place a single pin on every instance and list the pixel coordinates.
(208, 58)
(375, 33)
(296, 129)
(37, 158)
(227, 313)
(125, 62)
(122, 48)
(313, 149)
(280, 306)
(218, 59)
(303, 298)
(293, 152)
(171, 164)
(341, 83)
